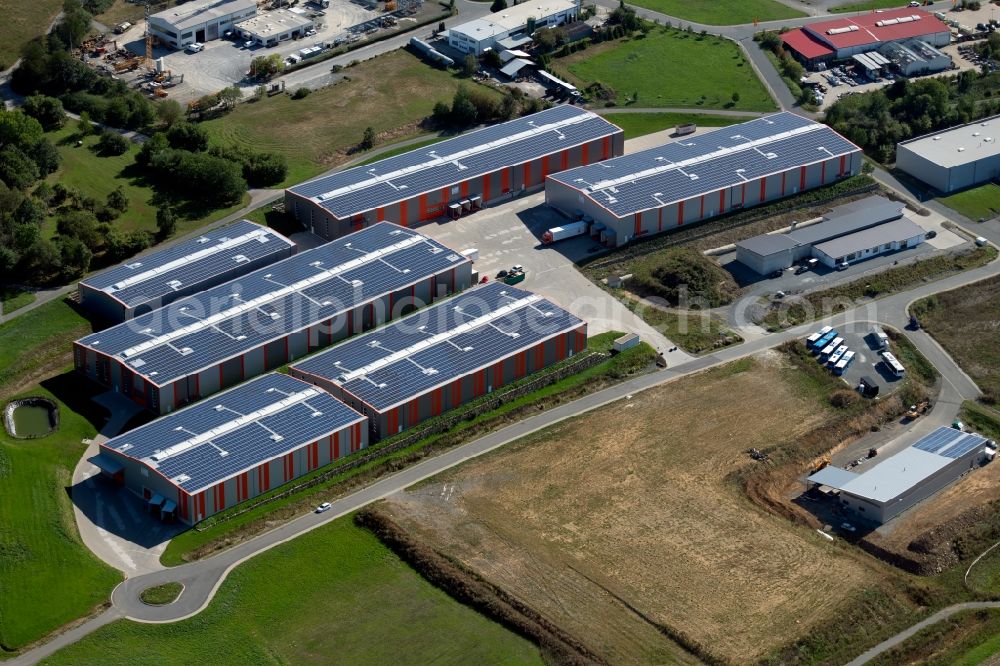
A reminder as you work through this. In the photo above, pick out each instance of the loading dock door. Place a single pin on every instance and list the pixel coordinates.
(200, 36)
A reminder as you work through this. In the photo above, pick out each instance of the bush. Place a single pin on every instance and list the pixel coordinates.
(684, 276)
(112, 143)
(843, 398)
(301, 93)
(46, 110)
(187, 136)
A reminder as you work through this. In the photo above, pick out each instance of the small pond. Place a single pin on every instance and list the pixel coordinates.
(31, 417)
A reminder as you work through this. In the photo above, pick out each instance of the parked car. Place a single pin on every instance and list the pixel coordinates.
(930, 234)
(194, 47)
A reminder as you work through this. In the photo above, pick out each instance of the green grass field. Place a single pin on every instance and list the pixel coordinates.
(316, 133)
(721, 12)
(638, 124)
(335, 594)
(22, 22)
(36, 343)
(160, 595)
(47, 575)
(670, 68)
(38, 537)
(866, 6)
(14, 299)
(982, 201)
(964, 639)
(94, 175)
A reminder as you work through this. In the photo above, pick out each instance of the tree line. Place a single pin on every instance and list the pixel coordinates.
(187, 172)
(880, 119)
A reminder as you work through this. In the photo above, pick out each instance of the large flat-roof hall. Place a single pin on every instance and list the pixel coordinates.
(917, 472)
(199, 21)
(490, 164)
(850, 36)
(165, 275)
(444, 356)
(691, 180)
(480, 34)
(955, 158)
(243, 442)
(198, 345)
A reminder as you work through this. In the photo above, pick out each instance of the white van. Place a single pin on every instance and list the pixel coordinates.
(194, 47)
(879, 336)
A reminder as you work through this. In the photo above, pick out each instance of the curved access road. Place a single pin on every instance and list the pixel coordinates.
(942, 614)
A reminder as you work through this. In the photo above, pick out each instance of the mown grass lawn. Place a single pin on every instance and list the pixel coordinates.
(670, 68)
(721, 12)
(333, 595)
(14, 299)
(47, 576)
(84, 170)
(982, 201)
(22, 22)
(392, 94)
(638, 124)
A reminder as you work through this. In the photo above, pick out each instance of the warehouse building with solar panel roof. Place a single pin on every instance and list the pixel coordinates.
(912, 475)
(241, 443)
(445, 356)
(153, 280)
(694, 179)
(199, 345)
(456, 176)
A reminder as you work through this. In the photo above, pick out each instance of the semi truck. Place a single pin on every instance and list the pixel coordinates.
(565, 231)
(685, 129)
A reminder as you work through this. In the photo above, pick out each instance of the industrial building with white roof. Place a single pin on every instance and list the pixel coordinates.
(199, 21)
(484, 33)
(849, 233)
(200, 344)
(483, 166)
(243, 442)
(445, 356)
(956, 158)
(694, 179)
(912, 475)
(162, 276)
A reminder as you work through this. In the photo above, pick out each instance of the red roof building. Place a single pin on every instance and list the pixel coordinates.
(842, 38)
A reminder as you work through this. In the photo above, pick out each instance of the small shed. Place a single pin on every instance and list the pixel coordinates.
(626, 341)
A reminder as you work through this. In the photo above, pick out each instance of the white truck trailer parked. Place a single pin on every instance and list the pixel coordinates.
(570, 230)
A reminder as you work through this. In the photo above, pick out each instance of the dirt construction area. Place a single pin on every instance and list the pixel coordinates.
(626, 527)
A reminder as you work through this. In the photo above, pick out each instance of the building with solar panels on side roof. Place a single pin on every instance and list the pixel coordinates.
(241, 443)
(693, 179)
(160, 277)
(445, 356)
(917, 472)
(217, 338)
(456, 176)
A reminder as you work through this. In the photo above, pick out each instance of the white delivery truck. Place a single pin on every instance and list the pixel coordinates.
(565, 231)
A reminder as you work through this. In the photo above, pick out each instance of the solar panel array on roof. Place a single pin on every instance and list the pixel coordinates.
(434, 346)
(707, 163)
(236, 430)
(949, 442)
(189, 263)
(462, 158)
(311, 287)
